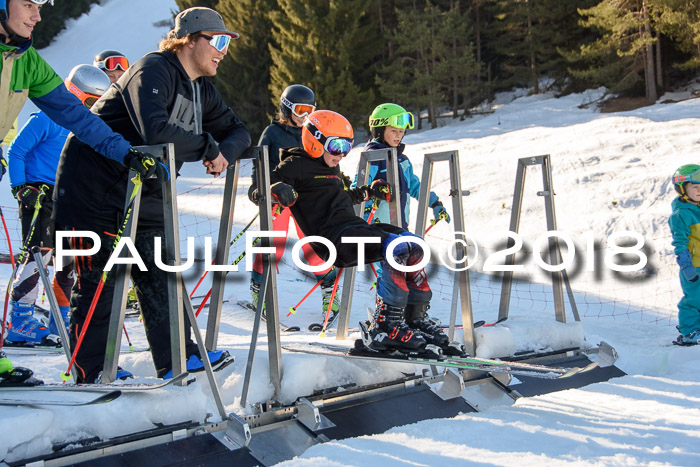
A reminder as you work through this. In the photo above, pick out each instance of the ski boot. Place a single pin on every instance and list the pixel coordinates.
(15, 376)
(255, 296)
(390, 333)
(335, 306)
(691, 339)
(417, 318)
(24, 329)
(122, 375)
(219, 360)
(53, 329)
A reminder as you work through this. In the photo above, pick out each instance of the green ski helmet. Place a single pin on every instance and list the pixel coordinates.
(392, 115)
(689, 173)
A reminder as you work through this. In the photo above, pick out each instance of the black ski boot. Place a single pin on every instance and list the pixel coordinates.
(389, 332)
(417, 318)
(15, 376)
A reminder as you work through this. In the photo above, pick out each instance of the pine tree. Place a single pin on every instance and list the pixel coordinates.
(243, 76)
(680, 20)
(314, 43)
(622, 58)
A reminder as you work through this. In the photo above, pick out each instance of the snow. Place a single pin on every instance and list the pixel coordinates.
(610, 172)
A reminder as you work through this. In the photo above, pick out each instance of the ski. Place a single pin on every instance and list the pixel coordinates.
(45, 349)
(99, 387)
(249, 306)
(478, 324)
(20, 401)
(317, 348)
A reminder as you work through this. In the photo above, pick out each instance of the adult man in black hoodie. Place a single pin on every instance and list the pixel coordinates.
(162, 98)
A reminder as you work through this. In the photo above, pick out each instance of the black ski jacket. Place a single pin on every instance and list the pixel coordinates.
(325, 203)
(154, 102)
(276, 136)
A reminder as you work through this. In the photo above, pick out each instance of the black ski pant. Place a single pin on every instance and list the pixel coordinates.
(151, 288)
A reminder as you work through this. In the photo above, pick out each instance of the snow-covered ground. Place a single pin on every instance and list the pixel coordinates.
(611, 173)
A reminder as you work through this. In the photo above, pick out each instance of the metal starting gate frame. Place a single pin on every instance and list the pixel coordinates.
(554, 251)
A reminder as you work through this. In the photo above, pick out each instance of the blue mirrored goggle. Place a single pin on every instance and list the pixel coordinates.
(691, 177)
(338, 146)
(219, 41)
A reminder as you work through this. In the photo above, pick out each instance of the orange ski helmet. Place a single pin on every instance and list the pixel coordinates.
(325, 130)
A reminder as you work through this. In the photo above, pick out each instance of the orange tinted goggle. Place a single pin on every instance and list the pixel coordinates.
(112, 63)
(85, 97)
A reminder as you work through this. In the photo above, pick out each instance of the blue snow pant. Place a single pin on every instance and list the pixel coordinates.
(396, 287)
(689, 306)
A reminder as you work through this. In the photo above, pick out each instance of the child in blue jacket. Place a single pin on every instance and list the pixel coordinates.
(388, 124)
(685, 230)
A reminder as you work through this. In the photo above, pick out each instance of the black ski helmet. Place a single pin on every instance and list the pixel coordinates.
(295, 94)
(104, 55)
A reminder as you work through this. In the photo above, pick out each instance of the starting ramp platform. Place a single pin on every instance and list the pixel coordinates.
(276, 433)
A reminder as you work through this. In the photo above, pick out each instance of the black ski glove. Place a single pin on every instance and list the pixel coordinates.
(146, 165)
(284, 194)
(253, 196)
(381, 190)
(26, 195)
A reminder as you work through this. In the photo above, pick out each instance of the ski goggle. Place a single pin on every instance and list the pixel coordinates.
(401, 121)
(300, 110)
(219, 41)
(112, 63)
(338, 146)
(85, 97)
(691, 177)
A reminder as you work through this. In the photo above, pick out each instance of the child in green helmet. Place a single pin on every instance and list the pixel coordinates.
(685, 230)
(388, 124)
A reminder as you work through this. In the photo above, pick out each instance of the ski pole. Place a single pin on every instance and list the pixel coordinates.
(7, 234)
(235, 239)
(277, 210)
(131, 346)
(293, 309)
(432, 224)
(375, 205)
(330, 302)
(22, 256)
(235, 262)
(127, 216)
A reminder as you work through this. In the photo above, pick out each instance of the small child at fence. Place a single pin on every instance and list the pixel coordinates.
(685, 230)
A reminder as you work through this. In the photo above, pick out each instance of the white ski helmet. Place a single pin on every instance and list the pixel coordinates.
(88, 83)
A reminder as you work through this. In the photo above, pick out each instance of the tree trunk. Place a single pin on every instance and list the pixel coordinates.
(533, 67)
(649, 74)
(659, 69)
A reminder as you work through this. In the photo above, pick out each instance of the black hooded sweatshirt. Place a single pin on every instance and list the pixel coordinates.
(154, 102)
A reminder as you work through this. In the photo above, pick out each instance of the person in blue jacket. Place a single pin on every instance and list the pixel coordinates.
(388, 124)
(33, 157)
(685, 230)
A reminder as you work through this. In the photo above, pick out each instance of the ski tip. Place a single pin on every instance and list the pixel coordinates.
(293, 329)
